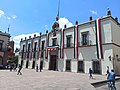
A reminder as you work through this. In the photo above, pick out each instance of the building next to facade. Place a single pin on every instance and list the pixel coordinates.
(6, 47)
(94, 44)
(11, 49)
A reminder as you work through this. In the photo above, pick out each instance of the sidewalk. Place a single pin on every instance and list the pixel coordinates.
(47, 80)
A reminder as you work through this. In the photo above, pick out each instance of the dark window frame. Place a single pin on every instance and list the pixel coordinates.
(43, 44)
(1, 44)
(68, 41)
(85, 38)
(54, 41)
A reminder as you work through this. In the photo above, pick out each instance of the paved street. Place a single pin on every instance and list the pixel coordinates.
(105, 87)
(46, 80)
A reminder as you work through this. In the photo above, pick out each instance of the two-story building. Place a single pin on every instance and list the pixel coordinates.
(4, 41)
(94, 44)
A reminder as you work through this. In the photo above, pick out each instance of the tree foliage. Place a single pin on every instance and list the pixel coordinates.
(14, 59)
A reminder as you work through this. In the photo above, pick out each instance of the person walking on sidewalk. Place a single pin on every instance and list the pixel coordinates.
(90, 73)
(107, 72)
(111, 77)
(37, 68)
(19, 69)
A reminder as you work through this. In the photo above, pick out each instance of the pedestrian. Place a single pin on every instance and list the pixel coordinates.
(40, 68)
(90, 73)
(111, 77)
(11, 67)
(107, 72)
(37, 68)
(14, 67)
(19, 69)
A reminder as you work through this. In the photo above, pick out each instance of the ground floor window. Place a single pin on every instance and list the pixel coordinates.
(41, 64)
(80, 66)
(27, 63)
(33, 65)
(68, 65)
(1, 60)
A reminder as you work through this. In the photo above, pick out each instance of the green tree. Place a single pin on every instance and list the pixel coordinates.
(14, 59)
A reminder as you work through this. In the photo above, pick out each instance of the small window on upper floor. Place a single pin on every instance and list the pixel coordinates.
(1, 45)
(43, 43)
(54, 33)
(54, 41)
(23, 48)
(28, 47)
(35, 46)
(68, 38)
(85, 38)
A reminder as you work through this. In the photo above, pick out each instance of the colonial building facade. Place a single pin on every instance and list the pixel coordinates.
(94, 44)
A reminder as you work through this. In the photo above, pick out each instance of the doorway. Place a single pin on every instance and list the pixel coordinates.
(33, 65)
(96, 67)
(80, 66)
(68, 65)
(27, 63)
(52, 64)
(1, 60)
(41, 65)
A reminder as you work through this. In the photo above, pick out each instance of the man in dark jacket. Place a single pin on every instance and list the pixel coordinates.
(19, 69)
(111, 76)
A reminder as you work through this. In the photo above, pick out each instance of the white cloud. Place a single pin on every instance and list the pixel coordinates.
(17, 39)
(1, 13)
(8, 18)
(63, 21)
(93, 12)
(14, 16)
(5, 16)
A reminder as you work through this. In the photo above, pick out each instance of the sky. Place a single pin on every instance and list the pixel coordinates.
(29, 17)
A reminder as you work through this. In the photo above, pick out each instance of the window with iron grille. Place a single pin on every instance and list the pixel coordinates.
(35, 47)
(1, 43)
(43, 42)
(68, 38)
(23, 51)
(85, 38)
(42, 54)
(28, 50)
(54, 40)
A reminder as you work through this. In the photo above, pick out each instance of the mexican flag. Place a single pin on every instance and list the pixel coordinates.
(98, 39)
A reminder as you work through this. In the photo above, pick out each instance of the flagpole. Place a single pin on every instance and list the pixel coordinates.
(8, 28)
(58, 8)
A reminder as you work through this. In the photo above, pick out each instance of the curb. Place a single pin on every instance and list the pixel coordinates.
(96, 84)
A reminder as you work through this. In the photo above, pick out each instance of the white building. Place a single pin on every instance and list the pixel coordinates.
(94, 44)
